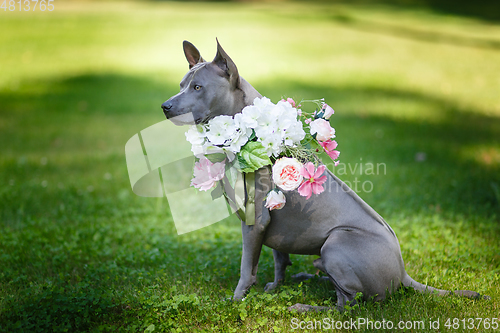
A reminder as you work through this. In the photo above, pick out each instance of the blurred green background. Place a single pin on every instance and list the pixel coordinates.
(415, 85)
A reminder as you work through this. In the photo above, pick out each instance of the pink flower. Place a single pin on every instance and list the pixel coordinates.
(313, 182)
(275, 200)
(322, 129)
(334, 154)
(289, 100)
(308, 121)
(329, 147)
(206, 174)
(286, 173)
(328, 111)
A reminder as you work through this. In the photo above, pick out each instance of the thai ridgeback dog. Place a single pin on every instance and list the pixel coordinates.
(358, 250)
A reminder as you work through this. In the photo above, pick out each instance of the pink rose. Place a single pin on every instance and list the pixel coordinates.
(286, 173)
(207, 174)
(322, 129)
(328, 111)
(275, 200)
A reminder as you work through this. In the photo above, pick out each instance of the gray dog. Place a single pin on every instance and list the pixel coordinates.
(358, 250)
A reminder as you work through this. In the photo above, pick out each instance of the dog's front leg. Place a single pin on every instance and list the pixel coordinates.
(253, 235)
(252, 246)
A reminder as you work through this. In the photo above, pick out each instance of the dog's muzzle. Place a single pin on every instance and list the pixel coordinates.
(166, 107)
(178, 119)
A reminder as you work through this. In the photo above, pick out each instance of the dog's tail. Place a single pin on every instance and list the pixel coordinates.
(409, 282)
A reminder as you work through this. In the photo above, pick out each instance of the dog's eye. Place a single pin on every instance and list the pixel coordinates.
(197, 87)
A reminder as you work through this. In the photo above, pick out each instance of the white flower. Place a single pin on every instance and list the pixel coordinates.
(322, 129)
(273, 144)
(287, 108)
(241, 137)
(294, 134)
(198, 150)
(248, 117)
(196, 134)
(264, 104)
(242, 125)
(263, 132)
(283, 123)
(221, 129)
(286, 173)
(275, 200)
(266, 120)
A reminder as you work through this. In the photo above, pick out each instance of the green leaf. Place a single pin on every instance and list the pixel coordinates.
(252, 136)
(216, 158)
(253, 156)
(232, 172)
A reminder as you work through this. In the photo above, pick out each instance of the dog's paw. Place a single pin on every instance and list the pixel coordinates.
(271, 286)
(471, 294)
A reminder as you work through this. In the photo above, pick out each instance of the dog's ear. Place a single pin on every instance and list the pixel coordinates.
(224, 62)
(192, 54)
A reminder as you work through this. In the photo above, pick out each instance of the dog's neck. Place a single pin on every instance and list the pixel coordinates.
(250, 93)
(243, 96)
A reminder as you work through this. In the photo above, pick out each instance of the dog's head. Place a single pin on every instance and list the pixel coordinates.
(208, 90)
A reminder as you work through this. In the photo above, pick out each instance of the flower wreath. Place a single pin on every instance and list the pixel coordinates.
(281, 135)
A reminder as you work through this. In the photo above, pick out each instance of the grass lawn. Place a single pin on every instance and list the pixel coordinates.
(414, 91)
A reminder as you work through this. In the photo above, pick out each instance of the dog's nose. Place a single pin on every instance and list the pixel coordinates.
(166, 106)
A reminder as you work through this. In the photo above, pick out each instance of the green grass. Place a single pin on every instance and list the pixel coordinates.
(80, 252)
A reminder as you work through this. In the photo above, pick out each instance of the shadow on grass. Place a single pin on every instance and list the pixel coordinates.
(487, 10)
(423, 35)
(75, 259)
(79, 114)
(46, 115)
(484, 9)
